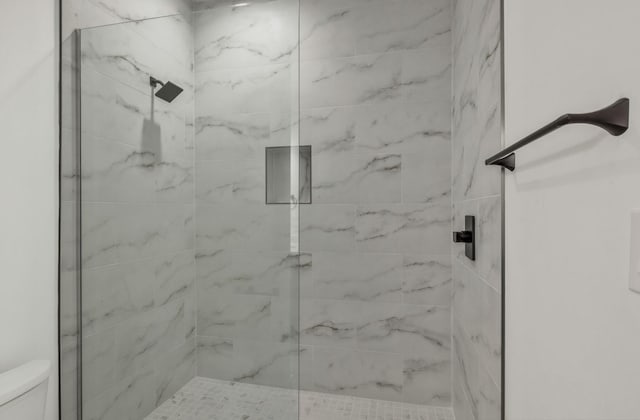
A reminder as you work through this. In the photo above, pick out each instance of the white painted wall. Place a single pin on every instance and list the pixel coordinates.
(573, 327)
(28, 186)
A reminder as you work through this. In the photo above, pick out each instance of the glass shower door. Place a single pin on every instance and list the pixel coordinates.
(189, 284)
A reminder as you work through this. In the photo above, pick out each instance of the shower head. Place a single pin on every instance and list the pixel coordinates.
(168, 92)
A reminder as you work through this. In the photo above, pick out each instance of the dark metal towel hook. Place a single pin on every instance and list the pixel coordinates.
(614, 119)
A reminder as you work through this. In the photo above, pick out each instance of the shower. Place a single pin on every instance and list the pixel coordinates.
(168, 92)
(276, 243)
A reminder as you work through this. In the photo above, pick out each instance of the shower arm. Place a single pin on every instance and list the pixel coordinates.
(154, 82)
(614, 119)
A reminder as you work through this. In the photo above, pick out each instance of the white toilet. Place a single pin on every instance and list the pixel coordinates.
(23, 391)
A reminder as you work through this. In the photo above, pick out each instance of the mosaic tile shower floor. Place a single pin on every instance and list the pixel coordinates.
(210, 399)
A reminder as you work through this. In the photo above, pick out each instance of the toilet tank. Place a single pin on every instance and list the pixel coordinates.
(23, 391)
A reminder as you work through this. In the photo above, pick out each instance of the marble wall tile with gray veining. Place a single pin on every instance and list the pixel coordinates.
(202, 5)
(111, 109)
(173, 370)
(106, 299)
(244, 37)
(426, 73)
(242, 227)
(467, 294)
(129, 398)
(141, 340)
(305, 371)
(175, 276)
(327, 29)
(489, 399)
(87, 14)
(115, 116)
(403, 228)
(339, 174)
(383, 26)
(330, 322)
(465, 369)
(460, 403)
(490, 342)
(427, 379)
(145, 8)
(477, 97)
(113, 171)
(190, 315)
(264, 273)
(327, 228)
(285, 125)
(175, 182)
(215, 358)
(350, 81)
(489, 221)
(411, 329)
(363, 374)
(83, 14)
(173, 34)
(402, 128)
(244, 90)
(343, 29)
(148, 230)
(231, 181)
(331, 132)
(477, 179)
(263, 363)
(477, 308)
(305, 275)
(231, 137)
(98, 362)
(100, 242)
(174, 323)
(212, 268)
(357, 178)
(427, 280)
(421, 75)
(234, 316)
(140, 282)
(286, 315)
(426, 174)
(356, 276)
(122, 54)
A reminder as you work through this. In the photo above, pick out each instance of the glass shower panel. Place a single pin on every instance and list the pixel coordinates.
(189, 280)
(246, 100)
(137, 218)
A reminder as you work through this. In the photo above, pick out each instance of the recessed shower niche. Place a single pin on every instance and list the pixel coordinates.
(185, 292)
(280, 163)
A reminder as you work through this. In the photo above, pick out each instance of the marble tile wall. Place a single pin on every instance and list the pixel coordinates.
(375, 267)
(138, 237)
(477, 191)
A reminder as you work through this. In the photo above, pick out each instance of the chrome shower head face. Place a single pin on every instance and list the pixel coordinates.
(168, 92)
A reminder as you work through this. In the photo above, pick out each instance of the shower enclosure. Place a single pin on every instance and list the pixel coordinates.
(256, 212)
